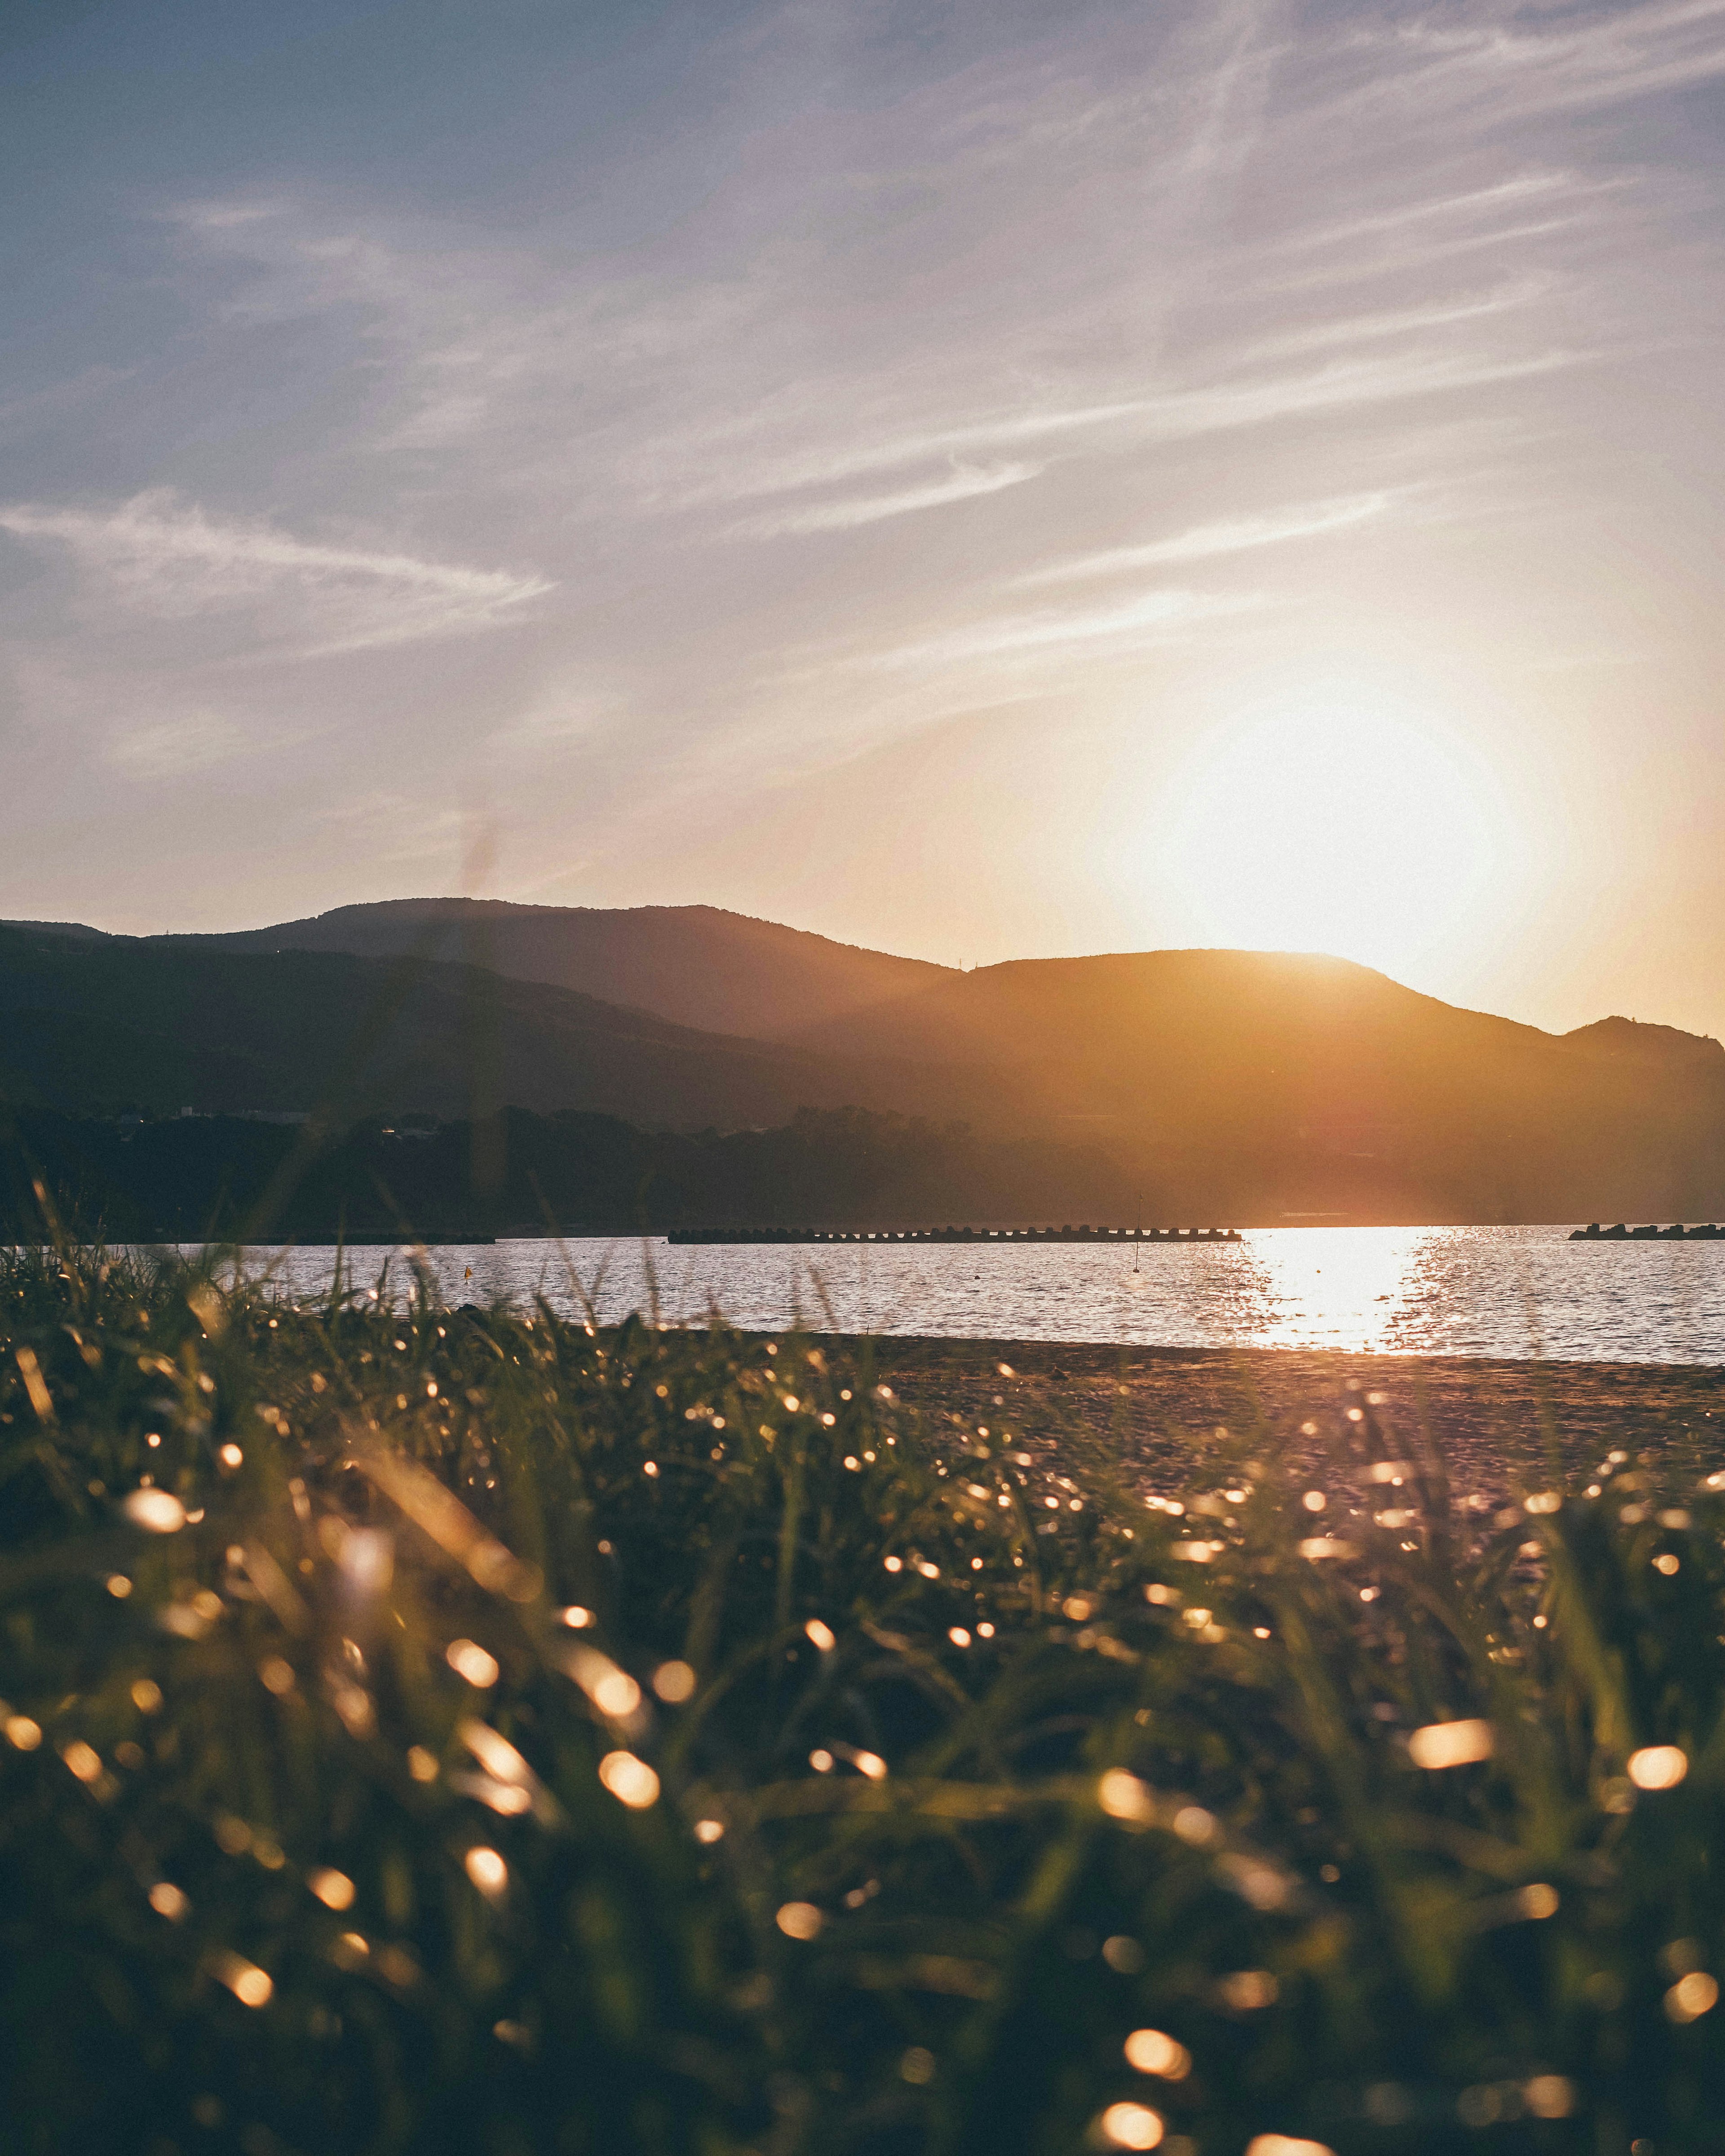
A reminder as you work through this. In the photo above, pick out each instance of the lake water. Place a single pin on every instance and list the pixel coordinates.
(1497, 1291)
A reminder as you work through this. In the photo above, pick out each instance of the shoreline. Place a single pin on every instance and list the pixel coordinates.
(1160, 1406)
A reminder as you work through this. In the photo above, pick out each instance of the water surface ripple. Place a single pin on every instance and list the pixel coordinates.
(1487, 1292)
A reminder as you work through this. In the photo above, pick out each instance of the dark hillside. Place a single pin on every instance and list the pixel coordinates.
(1241, 1086)
(97, 1027)
(1282, 1083)
(189, 1177)
(697, 965)
(75, 928)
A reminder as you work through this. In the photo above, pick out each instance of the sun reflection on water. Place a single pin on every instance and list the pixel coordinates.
(1359, 1289)
(1499, 1292)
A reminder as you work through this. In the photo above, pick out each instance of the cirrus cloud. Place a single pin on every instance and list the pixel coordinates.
(962, 484)
(165, 556)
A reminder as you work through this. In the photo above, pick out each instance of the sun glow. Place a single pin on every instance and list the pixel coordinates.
(1336, 828)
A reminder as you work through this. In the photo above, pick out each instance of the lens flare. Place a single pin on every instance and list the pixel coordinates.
(630, 1781)
(157, 1512)
(334, 1889)
(488, 1872)
(250, 1985)
(1691, 1996)
(1130, 2126)
(1450, 1744)
(472, 1664)
(1149, 2051)
(1657, 1766)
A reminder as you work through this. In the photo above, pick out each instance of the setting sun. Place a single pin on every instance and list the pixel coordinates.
(1332, 827)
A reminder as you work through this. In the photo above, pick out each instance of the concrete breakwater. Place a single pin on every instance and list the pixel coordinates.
(1677, 1233)
(879, 1235)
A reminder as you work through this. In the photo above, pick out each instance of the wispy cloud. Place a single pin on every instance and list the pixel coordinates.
(167, 558)
(1507, 67)
(738, 476)
(1469, 206)
(845, 515)
(1234, 534)
(1387, 322)
(1344, 386)
(1153, 618)
(1173, 415)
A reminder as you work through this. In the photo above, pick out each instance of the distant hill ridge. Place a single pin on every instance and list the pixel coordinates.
(697, 965)
(1123, 1001)
(1239, 1072)
(1225, 1085)
(1634, 1039)
(90, 1025)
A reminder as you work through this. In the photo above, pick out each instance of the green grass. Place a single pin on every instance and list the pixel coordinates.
(1060, 1804)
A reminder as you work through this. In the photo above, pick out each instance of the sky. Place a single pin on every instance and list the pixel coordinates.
(985, 479)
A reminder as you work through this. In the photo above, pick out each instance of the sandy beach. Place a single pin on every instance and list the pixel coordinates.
(1493, 1420)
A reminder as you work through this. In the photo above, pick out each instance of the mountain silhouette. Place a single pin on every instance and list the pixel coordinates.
(96, 1025)
(1220, 1084)
(1297, 1084)
(697, 965)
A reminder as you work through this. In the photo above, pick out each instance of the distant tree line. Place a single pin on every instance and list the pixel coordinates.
(193, 1179)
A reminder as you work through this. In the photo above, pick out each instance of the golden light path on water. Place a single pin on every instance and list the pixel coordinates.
(1493, 1291)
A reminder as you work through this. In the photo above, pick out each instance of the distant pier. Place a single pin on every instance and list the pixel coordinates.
(1593, 1233)
(867, 1236)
